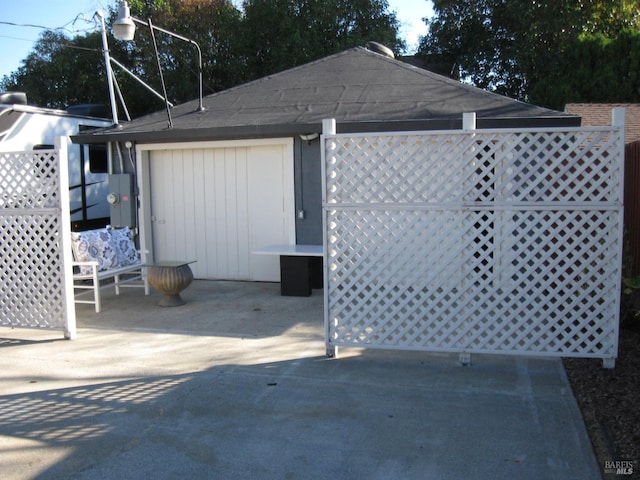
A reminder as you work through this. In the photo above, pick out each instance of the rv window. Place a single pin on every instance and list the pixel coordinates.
(7, 120)
(98, 159)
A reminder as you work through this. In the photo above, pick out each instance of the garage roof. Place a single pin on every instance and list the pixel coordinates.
(363, 90)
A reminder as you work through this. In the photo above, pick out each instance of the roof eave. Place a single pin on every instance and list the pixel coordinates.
(288, 130)
(198, 135)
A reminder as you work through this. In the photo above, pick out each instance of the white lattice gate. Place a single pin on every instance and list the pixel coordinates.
(488, 241)
(36, 290)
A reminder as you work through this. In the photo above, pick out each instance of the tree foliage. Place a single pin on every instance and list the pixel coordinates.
(516, 47)
(61, 72)
(213, 24)
(280, 34)
(594, 68)
(264, 37)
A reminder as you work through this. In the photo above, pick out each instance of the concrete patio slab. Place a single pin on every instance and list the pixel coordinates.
(235, 385)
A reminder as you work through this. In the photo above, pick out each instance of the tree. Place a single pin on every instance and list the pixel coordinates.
(237, 46)
(266, 37)
(213, 24)
(60, 72)
(280, 34)
(594, 68)
(513, 47)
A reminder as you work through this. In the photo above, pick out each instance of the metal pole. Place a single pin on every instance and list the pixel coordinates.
(137, 79)
(105, 50)
(185, 39)
(164, 88)
(200, 104)
(124, 105)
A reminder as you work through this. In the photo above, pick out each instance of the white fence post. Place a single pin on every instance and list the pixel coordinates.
(328, 128)
(469, 121)
(618, 122)
(65, 234)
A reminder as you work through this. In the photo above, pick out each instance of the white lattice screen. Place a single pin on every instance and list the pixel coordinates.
(33, 230)
(475, 241)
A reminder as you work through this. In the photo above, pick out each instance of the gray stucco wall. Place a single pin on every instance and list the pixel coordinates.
(308, 191)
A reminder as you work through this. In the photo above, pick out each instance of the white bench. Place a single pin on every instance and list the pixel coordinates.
(300, 267)
(103, 254)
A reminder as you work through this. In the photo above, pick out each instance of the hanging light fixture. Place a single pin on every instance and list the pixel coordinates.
(123, 27)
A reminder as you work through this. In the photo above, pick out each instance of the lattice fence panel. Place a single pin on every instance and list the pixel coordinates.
(495, 242)
(32, 283)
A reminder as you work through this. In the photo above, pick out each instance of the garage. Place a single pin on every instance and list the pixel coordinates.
(245, 172)
(216, 202)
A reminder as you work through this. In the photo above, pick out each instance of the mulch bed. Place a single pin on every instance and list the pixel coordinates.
(610, 402)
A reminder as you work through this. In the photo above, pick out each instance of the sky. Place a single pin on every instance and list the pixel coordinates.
(29, 16)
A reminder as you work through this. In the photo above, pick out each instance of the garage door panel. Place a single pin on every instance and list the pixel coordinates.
(242, 218)
(236, 187)
(267, 222)
(188, 207)
(218, 205)
(199, 208)
(162, 203)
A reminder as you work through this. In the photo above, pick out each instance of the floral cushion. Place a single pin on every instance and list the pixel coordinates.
(93, 245)
(125, 250)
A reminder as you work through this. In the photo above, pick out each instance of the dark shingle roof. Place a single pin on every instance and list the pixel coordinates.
(356, 87)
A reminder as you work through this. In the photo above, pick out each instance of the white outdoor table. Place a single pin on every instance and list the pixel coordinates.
(300, 267)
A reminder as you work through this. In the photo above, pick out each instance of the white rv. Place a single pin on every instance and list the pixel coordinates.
(27, 128)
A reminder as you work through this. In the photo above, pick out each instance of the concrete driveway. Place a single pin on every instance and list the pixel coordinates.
(235, 385)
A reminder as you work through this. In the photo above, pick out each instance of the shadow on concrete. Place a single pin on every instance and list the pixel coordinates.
(17, 342)
(235, 385)
(373, 415)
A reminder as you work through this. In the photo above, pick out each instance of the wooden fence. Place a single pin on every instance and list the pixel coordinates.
(632, 209)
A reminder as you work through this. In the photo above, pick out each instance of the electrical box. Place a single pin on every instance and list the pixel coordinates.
(122, 200)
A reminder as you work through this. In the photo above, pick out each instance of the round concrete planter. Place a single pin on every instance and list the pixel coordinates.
(170, 281)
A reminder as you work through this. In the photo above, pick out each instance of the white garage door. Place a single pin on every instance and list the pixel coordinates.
(217, 205)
